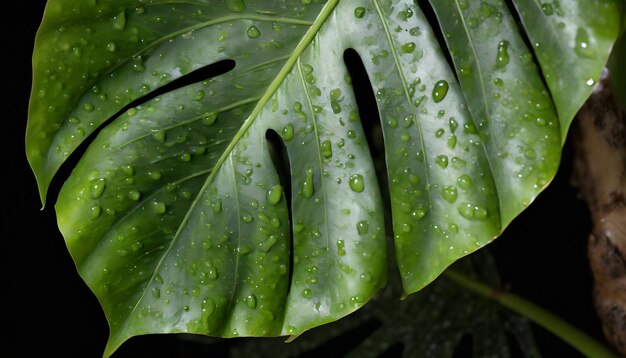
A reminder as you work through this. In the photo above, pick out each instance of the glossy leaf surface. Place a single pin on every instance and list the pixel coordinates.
(177, 216)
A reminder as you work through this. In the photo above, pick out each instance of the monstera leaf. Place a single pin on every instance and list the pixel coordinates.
(176, 215)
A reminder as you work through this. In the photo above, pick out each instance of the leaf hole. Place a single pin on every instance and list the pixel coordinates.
(280, 159)
(201, 74)
(370, 120)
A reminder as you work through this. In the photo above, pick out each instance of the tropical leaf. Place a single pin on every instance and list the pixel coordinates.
(176, 215)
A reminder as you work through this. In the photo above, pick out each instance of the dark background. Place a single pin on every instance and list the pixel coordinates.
(46, 307)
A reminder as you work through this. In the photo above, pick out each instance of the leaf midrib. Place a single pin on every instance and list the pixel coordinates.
(272, 88)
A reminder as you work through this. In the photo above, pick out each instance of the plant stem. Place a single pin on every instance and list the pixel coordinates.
(568, 333)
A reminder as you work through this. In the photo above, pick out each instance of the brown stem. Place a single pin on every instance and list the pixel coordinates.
(599, 144)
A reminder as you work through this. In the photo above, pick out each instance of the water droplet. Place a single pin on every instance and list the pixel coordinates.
(250, 301)
(199, 95)
(159, 207)
(408, 47)
(440, 91)
(464, 181)
(88, 107)
(590, 82)
(442, 160)
(306, 293)
(405, 14)
(156, 293)
(449, 193)
(452, 142)
(154, 175)
(186, 157)
(95, 211)
(341, 248)
(253, 32)
(287, 133)
(405, 227)
(359, 12)
(216, 206)
(158, 135)
(582, 48)
(547, 9)
(274, 195)
(236, 5)
(247, 218)
(307, 185)
(267, 245)
(97, 187)
(356, 183)
(502, 57)
(111, 47)
(119, 21)
(415, 31)
(326, 149)
(134, 195)
(136, 246)
(362, 227)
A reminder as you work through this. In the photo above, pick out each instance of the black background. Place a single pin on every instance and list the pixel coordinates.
(46, 308)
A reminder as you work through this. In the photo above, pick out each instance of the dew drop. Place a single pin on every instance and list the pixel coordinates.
(216, 206)
(408, 47)
(442, 161)
(267, 245)
(356, 183)
(362, 227)
(449, 193)
(95, 211)
(158, 135)
(159, 207)
(134, 195)
(136, 246)
(236, 5)
(359, 12)
(88, 107)
(154, 175)
(502, 56)
(253, 32)
(274, 195)
(405, 228)
(440, 91)
(250, 301)
(307, 185)
(326, 149)
(464, 181)
(287, 133)
(306, 293)
(547, 9)
(97, 187)
(341, 248)
(119, 21)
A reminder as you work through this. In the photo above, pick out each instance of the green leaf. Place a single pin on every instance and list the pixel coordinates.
(176, 215)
